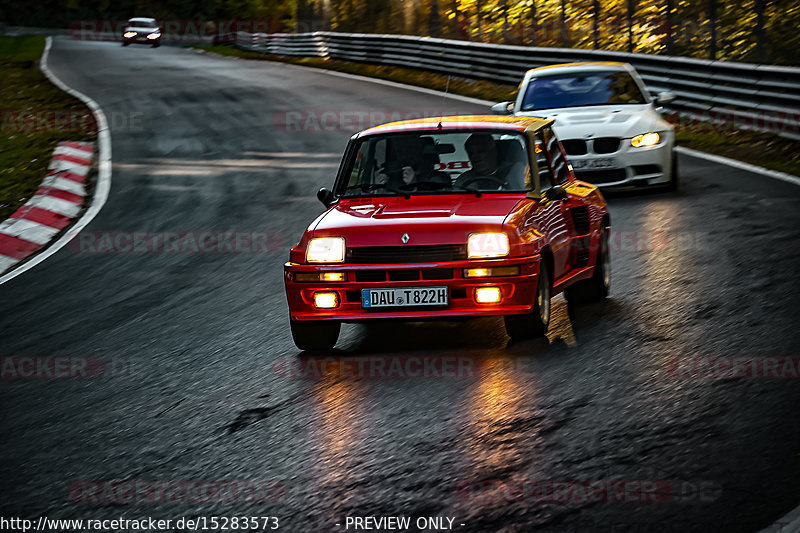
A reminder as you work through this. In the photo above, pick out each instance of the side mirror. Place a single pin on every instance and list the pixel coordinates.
(325, 196)
(665, 98)
(503, 108)
(555, 193)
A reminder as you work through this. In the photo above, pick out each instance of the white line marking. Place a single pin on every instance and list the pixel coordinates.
(739, 164)
(77, 152)
(7, 262)
(103, 172)
(76, 168)
(28, 230)
(65, 185)
(56, 205)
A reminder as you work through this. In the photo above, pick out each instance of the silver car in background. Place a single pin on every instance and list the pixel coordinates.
(142, 30)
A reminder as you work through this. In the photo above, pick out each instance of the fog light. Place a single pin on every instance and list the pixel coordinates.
(488, 295)
(326, 300)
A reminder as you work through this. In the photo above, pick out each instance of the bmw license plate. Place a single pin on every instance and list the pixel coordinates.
(588, 164)
(403, 297)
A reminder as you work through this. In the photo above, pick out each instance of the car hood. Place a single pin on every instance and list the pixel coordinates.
(624, 121)
(427, 219)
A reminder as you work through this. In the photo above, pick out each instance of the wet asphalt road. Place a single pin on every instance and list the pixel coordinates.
(193, 343)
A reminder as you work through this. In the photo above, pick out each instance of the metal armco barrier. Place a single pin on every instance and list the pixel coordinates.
(750, 96)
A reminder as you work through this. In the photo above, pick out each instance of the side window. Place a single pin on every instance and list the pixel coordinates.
(543, 162)
(557, 158)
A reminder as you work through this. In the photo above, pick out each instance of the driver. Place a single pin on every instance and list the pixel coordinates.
(482, 151)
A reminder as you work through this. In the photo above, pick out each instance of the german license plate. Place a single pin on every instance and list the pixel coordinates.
(588, 164)
(403, 297)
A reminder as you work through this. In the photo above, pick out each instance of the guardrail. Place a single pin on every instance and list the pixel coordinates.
(757, 97)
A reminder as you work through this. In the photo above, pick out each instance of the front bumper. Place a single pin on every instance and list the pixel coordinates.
(517, 291)
(635, 167)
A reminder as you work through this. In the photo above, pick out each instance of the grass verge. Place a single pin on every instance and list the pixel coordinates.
(34, 116)
(762, 149)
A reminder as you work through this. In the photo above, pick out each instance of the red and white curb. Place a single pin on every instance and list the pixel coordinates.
(60, 206)
(58, 201)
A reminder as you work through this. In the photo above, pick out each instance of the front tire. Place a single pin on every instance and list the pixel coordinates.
(597, 287)
(315, 336)
(533, 324)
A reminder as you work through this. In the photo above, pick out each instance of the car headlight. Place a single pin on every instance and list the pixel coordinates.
(154, 36)
(129, 34)
(646, 139)
(325, 250)
(483, 245)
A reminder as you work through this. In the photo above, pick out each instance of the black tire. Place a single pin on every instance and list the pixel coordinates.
(315, 336)
(156, 45)
(597, 287)
(125, 44)
(535, 323)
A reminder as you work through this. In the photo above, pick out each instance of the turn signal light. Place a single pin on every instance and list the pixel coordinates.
(319, 276)
(491, 271)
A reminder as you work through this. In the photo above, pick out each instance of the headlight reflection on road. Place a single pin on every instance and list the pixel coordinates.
(496, 404)
(338, 440)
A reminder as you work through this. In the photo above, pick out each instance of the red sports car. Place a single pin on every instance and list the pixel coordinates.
(449, 217)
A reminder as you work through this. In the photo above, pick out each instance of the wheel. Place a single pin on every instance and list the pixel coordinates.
(156, 45)
(533, 324)
(125, 43)
(596, 288)
(315, 336)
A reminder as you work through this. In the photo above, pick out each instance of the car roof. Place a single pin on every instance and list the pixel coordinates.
(566, 68)
(460, 122)
(142, 19)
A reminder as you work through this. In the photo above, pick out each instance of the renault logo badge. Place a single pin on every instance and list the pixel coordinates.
(405, 238)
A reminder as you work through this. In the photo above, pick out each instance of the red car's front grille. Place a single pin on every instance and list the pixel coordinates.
(376, 255)
(427, 274)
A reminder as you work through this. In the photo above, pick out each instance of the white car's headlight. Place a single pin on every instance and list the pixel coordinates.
(484, 245)
(325, 250)
(129, 34)
(154, 35)
(646, 139)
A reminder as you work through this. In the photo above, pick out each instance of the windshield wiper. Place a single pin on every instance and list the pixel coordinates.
(364, 187)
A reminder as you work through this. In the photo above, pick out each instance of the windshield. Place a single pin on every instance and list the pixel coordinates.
(144, 24)
(582, 89)
(413, 163)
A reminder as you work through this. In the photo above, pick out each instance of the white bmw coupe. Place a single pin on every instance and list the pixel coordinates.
(608, 122)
